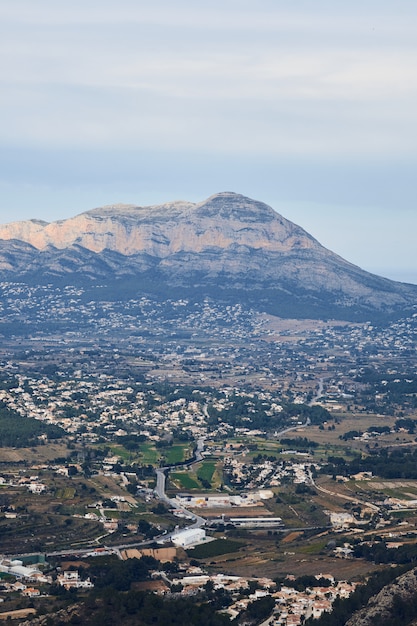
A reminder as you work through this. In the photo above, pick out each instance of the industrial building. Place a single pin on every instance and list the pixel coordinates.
(256, 522)
(190, 537)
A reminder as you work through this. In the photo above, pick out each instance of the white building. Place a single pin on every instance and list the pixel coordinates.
(190, 537)
(72, 580)
(37, 488)
(16, 568)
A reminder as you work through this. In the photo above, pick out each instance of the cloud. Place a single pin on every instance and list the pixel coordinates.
(280, 88)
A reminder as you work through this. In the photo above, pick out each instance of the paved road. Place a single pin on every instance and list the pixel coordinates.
(287, 430)
(318, 394)
(370, 505)
(162, 471)
(198, 521)
(161, 474)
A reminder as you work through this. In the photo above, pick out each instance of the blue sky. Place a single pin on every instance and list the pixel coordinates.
(307, 106)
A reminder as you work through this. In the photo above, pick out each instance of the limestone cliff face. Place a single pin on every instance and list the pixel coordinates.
(228, 242)
(221, 221)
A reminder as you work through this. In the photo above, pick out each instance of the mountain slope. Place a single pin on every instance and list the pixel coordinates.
(222, 221)
(394, 604)
(228, 245)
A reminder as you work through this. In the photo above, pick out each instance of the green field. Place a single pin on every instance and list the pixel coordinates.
(125, 455)
(184, 480)
(313, 548)
(112, 514)
(176, 454)
(148, 454)
(215, 548)
(206, 471)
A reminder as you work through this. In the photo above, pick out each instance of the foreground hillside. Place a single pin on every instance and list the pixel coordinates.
(228, 247)
(395, 604)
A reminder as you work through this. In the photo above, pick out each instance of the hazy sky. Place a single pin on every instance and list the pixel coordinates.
(308, 106)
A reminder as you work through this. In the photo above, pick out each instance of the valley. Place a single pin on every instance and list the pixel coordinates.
(201, 407)
(294, 415)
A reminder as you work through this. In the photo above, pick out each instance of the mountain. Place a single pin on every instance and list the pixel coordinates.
(228, 247)
(394, 604)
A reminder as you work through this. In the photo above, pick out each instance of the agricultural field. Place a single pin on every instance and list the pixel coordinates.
(148, 454)
(183, 480)
(215, 548)
(176, 454)
(269, 554)
(206, 471)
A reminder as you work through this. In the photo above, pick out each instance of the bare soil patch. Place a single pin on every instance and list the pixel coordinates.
(38, 454)
(235, 511)
(291, 537)
(18, 614)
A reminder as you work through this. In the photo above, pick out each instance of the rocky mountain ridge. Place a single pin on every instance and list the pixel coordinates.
(222, 221)
(394, 604)
(226, 246)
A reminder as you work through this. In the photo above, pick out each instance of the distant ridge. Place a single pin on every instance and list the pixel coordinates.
(228, 247)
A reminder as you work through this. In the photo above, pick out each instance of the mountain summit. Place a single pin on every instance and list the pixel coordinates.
(228, 246)
(224, 220)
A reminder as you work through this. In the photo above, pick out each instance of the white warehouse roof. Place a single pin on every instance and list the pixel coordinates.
(188, 537)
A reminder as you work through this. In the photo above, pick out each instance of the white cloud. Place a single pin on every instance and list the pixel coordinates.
(181, 75)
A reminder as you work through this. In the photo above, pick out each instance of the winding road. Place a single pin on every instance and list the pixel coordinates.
(160, 487)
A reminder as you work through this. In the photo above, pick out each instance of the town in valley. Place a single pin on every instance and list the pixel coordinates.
(265, 464)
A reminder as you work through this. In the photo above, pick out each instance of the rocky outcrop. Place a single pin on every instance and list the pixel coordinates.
(70, 615)
(226, 243)
(222, 221)
(391, 605)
